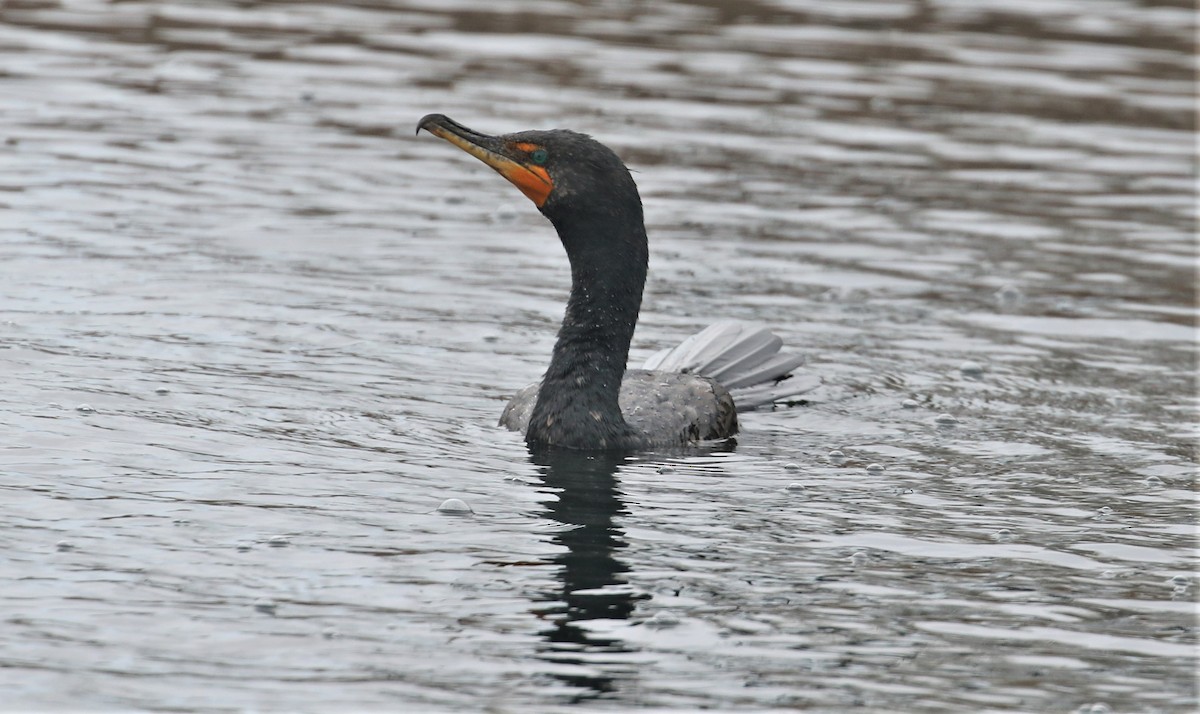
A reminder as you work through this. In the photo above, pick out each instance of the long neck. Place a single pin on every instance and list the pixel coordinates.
(577, 405)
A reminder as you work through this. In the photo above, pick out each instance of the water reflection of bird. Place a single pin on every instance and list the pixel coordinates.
(587, 399)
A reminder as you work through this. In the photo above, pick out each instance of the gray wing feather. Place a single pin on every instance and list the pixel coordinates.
(744, 358)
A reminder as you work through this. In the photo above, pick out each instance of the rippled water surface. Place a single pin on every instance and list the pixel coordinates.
(253, 333)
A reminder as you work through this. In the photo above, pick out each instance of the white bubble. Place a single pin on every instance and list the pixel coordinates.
(1009, 295)
(875, 468)
(661, 621)
(971, 369)
(455, 507)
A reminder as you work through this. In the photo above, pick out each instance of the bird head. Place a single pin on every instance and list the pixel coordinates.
(566, 174)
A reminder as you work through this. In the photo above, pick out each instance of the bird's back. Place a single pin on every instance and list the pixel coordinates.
(664, 408)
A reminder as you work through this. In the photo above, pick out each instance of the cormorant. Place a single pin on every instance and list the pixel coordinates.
(587, 399)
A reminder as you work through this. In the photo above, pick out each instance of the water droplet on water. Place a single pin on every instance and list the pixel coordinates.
(661, 621)
(278, 541)
(455, 507)
(946, 420)
(265, 605)
(1009, 295)
(970, 369)
(909, 404)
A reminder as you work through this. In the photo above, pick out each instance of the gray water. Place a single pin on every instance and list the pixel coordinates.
(253, 332)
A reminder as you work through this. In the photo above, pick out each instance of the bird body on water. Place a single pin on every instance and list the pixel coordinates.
(587, 399)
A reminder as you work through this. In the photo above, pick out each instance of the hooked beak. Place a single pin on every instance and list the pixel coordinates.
(533, 180)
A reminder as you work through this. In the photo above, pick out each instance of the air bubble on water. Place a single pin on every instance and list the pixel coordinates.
(880, 103)
(278, 541)
(857, 559)
(666, 469)
(265, 605)
(837, 456)
(796, 486)
(909, 404)
(875, 468)
(85, 409)
(1003, 535)
(946, 420)
(1153, 482)
(64, 545)
(505, 214)
(1009, 295)
(1180, 580)
(244, 547)
(1094, 708)
(329, 633)
(455, 507)
(791, 468)
(661, 621)
(162, 390)
(970, 369)
(1109, 575)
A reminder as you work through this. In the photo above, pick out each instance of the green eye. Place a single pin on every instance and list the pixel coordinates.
(538, 156)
